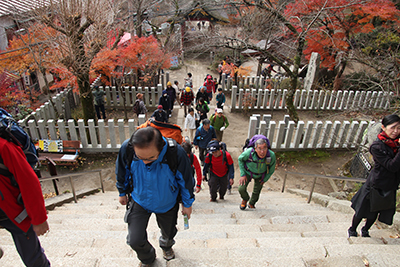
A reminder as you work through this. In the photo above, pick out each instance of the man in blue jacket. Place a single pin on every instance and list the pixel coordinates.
(204, 134)
(155, 187)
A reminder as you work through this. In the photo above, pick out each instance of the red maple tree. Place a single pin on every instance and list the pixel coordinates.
(142, 55)
(338, 21)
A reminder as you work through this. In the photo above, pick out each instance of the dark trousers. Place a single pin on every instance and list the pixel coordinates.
(27, 245)
(138, 219)
(202, 153)
(216, 183)
(98, 108)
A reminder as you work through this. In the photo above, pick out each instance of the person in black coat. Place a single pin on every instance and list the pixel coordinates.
(202, 94)
(165, 102)
(384, 177)
(160, 114)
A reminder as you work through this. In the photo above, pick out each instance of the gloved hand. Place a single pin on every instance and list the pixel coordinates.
(222, 128)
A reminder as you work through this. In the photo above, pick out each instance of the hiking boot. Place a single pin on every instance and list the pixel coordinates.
(364, 233)
(243, 205)
(169, 254)
(221, 197)
(352, 232)
(252, 207)
(141, 264)
(213, 200)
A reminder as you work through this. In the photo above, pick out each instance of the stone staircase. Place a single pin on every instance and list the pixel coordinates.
(283, 231)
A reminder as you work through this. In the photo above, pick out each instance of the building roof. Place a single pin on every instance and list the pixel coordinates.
(198, 10)
(8, 7)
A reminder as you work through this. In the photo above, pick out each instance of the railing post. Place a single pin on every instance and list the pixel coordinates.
(312, 190)
(73, 189)
(284, 183)
(101, 182)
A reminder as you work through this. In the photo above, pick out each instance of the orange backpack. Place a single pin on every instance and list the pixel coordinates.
(167, 129)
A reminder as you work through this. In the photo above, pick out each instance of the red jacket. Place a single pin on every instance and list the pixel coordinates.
(187, 97)
(210, 86)
(197, 167)
(29, 187)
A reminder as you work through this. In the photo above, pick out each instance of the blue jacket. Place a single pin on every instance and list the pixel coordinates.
(155, 188)
(220, 98)
(203, 137)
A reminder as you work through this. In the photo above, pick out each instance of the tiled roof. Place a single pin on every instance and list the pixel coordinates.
(8, 7)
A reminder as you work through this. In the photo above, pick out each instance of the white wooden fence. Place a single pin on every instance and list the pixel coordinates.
(150, 96)
(266, 99)
(286, 135)
(107, 136)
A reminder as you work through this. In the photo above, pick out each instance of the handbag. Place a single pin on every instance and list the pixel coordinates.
(382, 200)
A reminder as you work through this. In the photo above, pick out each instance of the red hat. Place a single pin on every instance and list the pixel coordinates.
(209, 77)
(160, 107)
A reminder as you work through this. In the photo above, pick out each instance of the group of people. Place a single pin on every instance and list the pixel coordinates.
(256, 163)
(148, 164)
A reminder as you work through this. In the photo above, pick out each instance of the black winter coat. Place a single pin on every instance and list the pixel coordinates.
(386, 172)
(202, 95)
(165, 102)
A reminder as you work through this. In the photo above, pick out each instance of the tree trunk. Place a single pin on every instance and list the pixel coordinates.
(293, 81)
(86, 96)
(259, 66)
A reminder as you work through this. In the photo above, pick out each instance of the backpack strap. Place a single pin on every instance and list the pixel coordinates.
(5, 172)
(250, 159)
(191, 157)
(224, 159)
(172, 155)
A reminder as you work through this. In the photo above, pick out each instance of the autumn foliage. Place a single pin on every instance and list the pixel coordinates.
(338, 22)
(144, 54)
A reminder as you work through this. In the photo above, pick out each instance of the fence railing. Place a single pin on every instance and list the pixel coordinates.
(360, 180)
(114, 99)
(266, 99)
(106, 136)
(69, 176)
(64, 102)
(286, 135)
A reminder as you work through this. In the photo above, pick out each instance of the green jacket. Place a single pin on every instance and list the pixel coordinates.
(219, 122)
(257, 168)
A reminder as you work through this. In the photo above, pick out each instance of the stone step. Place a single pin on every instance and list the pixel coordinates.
(283, 231)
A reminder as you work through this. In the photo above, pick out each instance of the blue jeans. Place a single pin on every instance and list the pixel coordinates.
(27, 245)
(98, 108)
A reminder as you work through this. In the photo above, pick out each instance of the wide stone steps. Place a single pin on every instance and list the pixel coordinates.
(283, 231)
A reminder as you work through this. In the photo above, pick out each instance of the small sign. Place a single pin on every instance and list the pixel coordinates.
(51, 145)
(174, 62)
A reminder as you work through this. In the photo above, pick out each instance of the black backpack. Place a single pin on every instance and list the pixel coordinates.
(170, 157)
(250, 143)
(136, 107)
(222, 146)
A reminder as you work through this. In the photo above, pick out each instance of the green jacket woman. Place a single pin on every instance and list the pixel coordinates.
(256, 163)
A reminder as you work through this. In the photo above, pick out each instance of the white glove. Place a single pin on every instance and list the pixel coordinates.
(222, 128)
(222, 104)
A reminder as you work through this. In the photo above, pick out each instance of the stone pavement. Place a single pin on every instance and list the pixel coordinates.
(283, 231)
